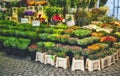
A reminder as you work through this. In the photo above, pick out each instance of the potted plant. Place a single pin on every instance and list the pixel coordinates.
(8, 45)
(40, 55)
(104, 59)
(50, 57)
(32, 50)
(62, 60)
(41, 52)
(93, 63)
(78, 62)
(110, 55)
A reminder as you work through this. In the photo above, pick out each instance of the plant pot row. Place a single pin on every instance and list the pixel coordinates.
(78, 64)
(16, 52)
(102, 63)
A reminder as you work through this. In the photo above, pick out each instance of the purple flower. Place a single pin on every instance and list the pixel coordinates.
(29, 13)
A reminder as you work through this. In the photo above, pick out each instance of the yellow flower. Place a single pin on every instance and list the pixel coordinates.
(44, 16)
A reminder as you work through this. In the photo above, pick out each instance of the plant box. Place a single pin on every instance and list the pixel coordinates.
(32, 55)
(40, 57)
(50, 59)
(118, 53)
(116, 56)
(78, 64)
(111, 60)
(93, 64)
(104, 62)
(63, 62)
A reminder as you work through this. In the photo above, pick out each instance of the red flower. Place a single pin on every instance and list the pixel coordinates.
(57, 17)
(34, 46)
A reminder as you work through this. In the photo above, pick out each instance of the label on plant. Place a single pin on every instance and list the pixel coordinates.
(71, 23)
(24, 20)
(36, 23)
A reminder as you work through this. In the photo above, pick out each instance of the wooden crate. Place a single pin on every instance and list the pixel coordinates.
(111, 60)
(77, 65)
(40, 57)
(93, 64)
(62, 62)
(50, 59)
(104, 62)
(118, 53)
(116, 56)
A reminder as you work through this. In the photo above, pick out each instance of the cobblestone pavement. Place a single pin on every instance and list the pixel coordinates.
(12, 66)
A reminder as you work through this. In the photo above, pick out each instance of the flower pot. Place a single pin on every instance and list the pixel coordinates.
(71, 55)
(32, 55)
(50, 59)
(78, 64)
(8, 51)
(1, 47)
(23, 53)
(104, 62)
(15, 52)
(40, 57)
(62, 62)
(93, 64)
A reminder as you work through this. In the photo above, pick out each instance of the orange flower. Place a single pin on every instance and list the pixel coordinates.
(108, 39)
(94, 47)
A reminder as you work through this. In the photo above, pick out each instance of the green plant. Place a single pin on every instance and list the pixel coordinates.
(82, 33)
(93, 57)
(49, 45)
(116, 45)
(61, 54)
(40, 44)
(87, 40)
(78, 56)
(43, 36)
(42, 50)
(51, 52)
(10, 42)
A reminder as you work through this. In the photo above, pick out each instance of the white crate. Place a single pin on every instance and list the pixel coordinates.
(118, 53)
(104, 62)
(111, 60)
(93, 64)
(40, 57)
(116, 56)
(63, 62)
(50, 59)
(78, 64)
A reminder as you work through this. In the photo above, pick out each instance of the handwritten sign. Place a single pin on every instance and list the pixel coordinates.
(71, 23)
(24, 20)
(36, 23)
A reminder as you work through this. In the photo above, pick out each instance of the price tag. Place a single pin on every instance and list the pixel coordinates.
(36, 23)
(71, 23)
(24, 20)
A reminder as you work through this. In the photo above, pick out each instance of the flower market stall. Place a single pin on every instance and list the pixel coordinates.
(93, 43)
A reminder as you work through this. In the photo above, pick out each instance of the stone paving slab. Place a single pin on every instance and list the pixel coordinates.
(13, 66)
